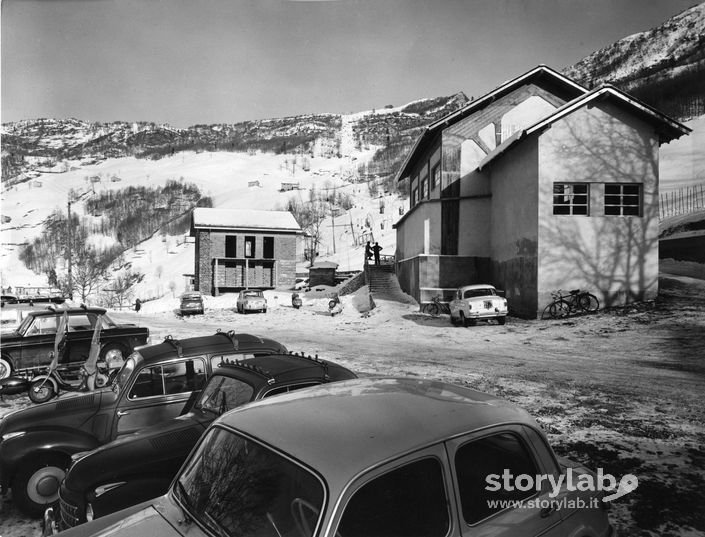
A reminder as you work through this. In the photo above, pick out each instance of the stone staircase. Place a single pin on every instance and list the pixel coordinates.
(382, 282)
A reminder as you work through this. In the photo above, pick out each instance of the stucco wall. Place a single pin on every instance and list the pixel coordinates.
(514, 223)
(474, 228)
(420, 231)
(614, 257)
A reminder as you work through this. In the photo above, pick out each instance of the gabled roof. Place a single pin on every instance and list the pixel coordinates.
(282, 221)
(507, 87)
(668, 128)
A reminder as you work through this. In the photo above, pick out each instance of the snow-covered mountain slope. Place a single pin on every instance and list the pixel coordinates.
(663, 66)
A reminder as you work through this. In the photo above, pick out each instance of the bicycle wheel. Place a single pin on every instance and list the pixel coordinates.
(588, 302)
(559, 309)
(432, 309)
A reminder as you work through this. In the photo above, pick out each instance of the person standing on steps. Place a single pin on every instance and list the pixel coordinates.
(368, 252)
(376, 249)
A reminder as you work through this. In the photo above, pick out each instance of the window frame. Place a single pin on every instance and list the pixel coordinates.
(231, 245)
(621, 206)
(250, 241)
(161, 365)
(435, 451)
(435, 175)
(571, 205)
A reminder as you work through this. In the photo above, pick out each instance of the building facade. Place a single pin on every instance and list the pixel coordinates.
(537, 186)
(239, 249)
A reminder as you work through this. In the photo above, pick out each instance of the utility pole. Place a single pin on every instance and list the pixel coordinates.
(68, 244)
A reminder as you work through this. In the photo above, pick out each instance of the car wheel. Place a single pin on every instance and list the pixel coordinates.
(41, 391)
(501, 320)
(264, 310)
(462, 321)
(36, 484)
(5, 367)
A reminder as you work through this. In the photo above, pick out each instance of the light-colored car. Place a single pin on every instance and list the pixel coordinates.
(373, 456)
(477, 302)
(251, 300)
(191, 303)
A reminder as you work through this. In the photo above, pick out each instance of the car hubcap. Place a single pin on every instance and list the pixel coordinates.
(43, 486)
(113, 355)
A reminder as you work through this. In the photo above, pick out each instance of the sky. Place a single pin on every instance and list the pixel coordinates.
(188, 62)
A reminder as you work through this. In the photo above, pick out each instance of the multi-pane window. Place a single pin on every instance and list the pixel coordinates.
(436, 176)
(623, 199)
(571, 198)
(424, 189)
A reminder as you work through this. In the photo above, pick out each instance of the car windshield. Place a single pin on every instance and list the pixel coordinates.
(485, 291)
(254, 294)
(224, 393)
(239, 488)
(125, 372)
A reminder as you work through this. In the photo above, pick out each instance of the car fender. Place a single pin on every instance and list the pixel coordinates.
(14, 451)
(48, 378)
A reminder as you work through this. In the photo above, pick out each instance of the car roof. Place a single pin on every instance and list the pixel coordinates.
(369, 420)
(477, 286)
(220, 342)
(192, 294)
(278, 368)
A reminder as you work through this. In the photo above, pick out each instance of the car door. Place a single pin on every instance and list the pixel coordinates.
(408, 497)
(491, 500)
(38, 342)
(158, 392)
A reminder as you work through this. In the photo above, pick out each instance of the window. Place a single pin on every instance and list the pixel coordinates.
(478, 459)
(230, 246)
(223, 394)
(268, 247)
(623, 199)
(436, 176)
(172, 378)
(571, 198)
(287, 389)
(424, 188)
(249, 247)
(414, 196)
(407, 502)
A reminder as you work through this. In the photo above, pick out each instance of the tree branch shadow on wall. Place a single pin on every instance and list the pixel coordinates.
(611, 253)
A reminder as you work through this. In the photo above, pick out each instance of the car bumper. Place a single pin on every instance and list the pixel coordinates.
(487, 314)
(254, 307)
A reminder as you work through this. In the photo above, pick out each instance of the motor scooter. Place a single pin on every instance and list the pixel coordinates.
(44, 387)
(296, 301)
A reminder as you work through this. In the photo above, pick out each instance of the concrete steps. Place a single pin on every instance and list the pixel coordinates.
(382, 282)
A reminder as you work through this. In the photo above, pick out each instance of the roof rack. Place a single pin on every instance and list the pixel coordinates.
(250, 367)
(315, 359)
(174, 343)
(230, 334)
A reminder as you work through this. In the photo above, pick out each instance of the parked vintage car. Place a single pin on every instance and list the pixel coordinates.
(140, 466)
(373, 456)
(251, 300)
(27, 350)
(477, 302)
(191, 303)
(154, 385)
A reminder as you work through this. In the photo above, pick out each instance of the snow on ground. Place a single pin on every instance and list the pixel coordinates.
(165, 260)
(620, 390)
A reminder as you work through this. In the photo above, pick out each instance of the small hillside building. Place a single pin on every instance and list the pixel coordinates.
(537, 186)
(242, 248)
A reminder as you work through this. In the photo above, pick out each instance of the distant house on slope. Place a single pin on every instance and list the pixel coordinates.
(237, 249)
(537, 186)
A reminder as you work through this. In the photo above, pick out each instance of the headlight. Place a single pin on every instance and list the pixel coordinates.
(89, 513)
(7, 436)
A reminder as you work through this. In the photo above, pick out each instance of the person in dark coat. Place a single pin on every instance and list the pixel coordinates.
(376, 249)
(368, 252)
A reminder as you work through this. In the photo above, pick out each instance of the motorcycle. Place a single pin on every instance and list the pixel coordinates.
(296, 301)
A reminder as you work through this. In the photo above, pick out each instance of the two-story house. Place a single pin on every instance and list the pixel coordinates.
(539, 185)
(238, 249)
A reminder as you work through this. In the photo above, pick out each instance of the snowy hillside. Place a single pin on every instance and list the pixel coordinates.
(225, 177)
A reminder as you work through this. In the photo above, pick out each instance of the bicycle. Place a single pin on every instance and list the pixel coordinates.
(576, 301)
(436, 307)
